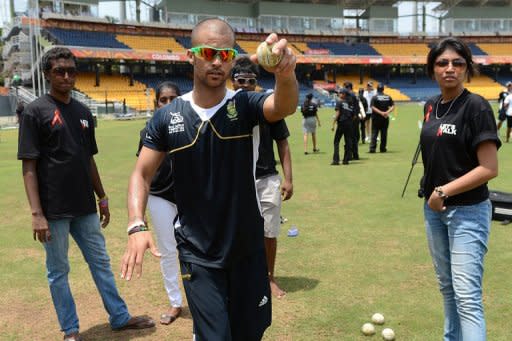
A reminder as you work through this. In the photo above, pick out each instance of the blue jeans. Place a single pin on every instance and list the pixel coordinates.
(457, 239)
(86, 232)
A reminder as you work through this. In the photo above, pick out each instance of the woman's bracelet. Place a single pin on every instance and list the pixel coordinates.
(103, 201)
(137, 228)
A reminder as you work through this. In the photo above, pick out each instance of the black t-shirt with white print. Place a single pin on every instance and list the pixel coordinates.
(269, 133)
(214, 158)
(345, 109)
(450, 136)
(382, 102)
(61, 138)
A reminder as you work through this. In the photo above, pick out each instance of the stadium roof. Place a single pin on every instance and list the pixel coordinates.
(364, 4)
(348, 4)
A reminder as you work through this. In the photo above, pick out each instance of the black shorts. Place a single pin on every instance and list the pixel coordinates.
(502, 115)
(509, 121)
(229, 304)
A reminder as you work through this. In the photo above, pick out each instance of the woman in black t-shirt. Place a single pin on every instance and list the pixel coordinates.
(459, 144)
(163, 212)
(309, 111)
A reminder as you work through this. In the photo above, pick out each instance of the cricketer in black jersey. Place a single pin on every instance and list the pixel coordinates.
(214, 153)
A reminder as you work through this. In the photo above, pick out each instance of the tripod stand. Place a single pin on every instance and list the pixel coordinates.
(414, 161)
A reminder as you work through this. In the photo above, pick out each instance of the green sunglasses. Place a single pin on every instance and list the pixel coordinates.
(209, 53)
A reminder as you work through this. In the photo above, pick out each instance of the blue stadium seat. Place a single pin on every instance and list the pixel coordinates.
(475, 50)
(86, 38)
(342, 49)
(423, 89)
(152, 80)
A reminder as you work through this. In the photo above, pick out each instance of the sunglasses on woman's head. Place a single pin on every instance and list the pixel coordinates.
(209, 53)
(455, 63)
(242, 81)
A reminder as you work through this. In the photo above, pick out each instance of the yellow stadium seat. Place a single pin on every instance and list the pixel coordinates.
(152, 43)
(116, 88)
(406, 49)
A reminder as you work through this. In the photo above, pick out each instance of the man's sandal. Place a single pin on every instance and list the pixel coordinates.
(166, 318)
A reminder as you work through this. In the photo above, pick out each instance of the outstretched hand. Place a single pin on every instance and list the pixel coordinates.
(138, 243)
(288, 61)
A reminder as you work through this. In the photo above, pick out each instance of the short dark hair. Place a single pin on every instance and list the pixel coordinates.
(380, 87)
(166, 85)
(348, 85)
(309, 96)
(54, 54)
(208, 21)
(244, 65)
(457, 45)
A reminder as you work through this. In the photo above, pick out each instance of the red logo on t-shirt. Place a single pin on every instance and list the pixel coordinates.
(439, 132)
(429, 110)
(57, 119)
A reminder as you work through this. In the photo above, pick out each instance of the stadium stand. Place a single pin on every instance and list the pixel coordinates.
(85, 38)
(152, 80)
(496, 49)
(116, 88)
(137, 42)
(342, 49)
(395, 93)
(409, 49)
(475, 50)
(484, 86)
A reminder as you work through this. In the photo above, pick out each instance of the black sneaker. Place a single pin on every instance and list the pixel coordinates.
(335, 163)
(371, 151)
(345, 162)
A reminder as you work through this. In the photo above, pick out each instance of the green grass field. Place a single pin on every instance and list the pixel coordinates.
(361, 248)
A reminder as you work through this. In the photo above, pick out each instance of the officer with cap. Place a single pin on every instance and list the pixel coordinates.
(343, 122)
(382, 105)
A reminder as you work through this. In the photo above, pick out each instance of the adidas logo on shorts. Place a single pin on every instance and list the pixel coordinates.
(263, 301)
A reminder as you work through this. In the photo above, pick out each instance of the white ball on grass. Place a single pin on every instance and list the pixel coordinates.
(368, 329)
(388, 334)
(378, 318)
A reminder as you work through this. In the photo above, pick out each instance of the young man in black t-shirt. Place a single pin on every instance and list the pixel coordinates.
(344, 127)
(268, 181)
(213, 136)
(56, 146)
(382, 105)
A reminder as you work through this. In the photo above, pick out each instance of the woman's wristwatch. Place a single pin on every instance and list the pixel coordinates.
(440, 193)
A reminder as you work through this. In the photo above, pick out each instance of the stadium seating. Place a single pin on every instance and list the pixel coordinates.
(137, 42)
(476, 50)
(406, 49)
(152, 80)
(484, 86)
(422, 89)
(496, 49)
(86, 38)
(116, 88)
(342, 49)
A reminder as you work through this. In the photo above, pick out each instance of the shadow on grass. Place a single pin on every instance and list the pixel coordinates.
(293, 284)
(104, 332)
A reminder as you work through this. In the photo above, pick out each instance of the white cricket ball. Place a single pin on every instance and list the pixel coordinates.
(378, 318)
(368, 329)
(388, 334)
(265, 56)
